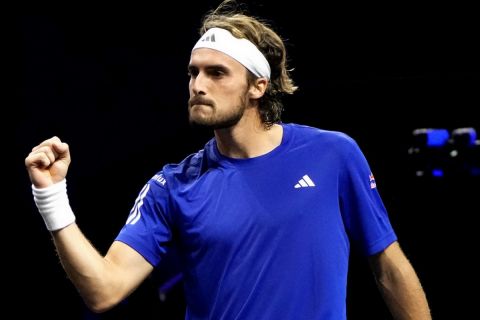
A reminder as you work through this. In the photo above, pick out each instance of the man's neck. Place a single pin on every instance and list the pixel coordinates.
(248, 138)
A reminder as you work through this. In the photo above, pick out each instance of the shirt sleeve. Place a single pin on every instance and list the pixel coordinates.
(364, 214)
(148, 227)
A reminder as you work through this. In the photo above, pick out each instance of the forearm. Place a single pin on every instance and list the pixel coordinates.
(91, 274)
(102, 281)
(403, 294)
(399, 284)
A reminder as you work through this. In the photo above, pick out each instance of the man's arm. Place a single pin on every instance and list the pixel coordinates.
(101, 281)
(399, 284)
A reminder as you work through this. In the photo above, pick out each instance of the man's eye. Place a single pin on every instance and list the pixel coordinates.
(218, 73)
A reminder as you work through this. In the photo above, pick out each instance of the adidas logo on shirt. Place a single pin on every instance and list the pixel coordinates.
(305, 182)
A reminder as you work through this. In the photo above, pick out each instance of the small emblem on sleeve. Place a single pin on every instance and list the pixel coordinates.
(373, 184)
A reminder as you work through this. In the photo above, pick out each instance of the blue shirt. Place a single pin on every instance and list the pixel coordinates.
(266, 237)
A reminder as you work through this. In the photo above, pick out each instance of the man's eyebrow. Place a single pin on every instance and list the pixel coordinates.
(209, 67)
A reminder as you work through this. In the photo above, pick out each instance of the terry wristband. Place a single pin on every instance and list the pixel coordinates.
(52, 203)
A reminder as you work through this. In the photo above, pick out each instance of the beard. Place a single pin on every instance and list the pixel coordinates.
(215, 120)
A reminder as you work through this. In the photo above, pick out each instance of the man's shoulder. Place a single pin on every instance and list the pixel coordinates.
(187, 165)
(319, 135)
(190, 167)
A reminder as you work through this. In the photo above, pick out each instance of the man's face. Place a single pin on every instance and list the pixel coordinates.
(218, 89)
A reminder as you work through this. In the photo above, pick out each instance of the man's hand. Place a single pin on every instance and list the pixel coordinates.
(48, 162)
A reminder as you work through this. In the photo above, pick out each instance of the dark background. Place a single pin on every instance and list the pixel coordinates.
(112, 82)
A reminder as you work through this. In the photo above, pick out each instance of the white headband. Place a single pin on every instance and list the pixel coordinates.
(241, 50)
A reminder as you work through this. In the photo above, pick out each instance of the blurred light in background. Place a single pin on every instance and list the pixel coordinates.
(435, 152)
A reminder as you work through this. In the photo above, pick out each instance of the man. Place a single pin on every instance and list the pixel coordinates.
(262, 217)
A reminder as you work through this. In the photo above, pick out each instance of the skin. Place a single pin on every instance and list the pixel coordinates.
(218, 93)
(220, 98)
(399, 284)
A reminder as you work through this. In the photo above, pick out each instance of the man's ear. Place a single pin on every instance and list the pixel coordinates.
(257, 90)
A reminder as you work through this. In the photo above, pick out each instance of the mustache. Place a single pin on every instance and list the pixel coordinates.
(199, 100)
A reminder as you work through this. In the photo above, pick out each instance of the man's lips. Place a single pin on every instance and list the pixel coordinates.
(196, 101)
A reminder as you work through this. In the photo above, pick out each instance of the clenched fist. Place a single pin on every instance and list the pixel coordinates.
(48, 162)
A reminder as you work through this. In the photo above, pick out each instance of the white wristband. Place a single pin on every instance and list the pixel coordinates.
(52, 203)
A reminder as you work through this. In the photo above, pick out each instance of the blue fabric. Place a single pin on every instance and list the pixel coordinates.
(266, 237)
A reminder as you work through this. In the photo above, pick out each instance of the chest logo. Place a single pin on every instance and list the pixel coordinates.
(305, 182)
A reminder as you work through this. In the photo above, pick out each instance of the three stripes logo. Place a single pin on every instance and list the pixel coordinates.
(210, 38)
(305, 182)
(135, 213)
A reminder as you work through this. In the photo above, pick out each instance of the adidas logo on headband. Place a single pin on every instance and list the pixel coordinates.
(209, 38)
(242, 50)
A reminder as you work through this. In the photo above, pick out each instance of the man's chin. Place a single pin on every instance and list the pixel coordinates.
(196, 122)
(211, 125)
